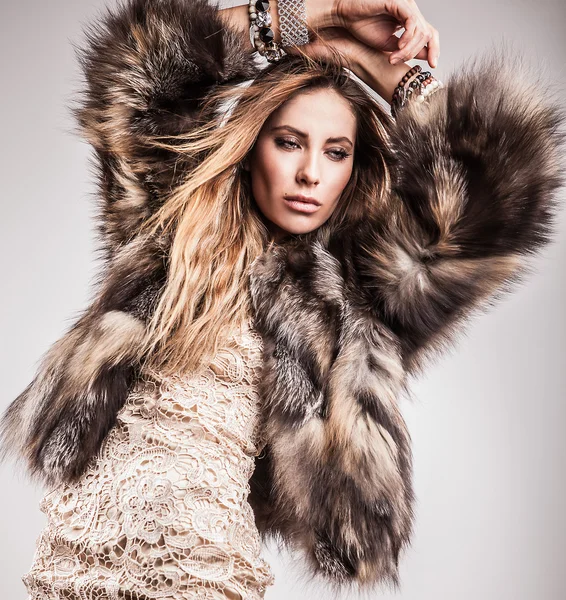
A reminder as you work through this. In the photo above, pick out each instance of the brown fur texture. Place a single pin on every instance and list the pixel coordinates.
(345, 315)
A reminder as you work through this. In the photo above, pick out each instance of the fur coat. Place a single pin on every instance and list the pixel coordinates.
(345, 316)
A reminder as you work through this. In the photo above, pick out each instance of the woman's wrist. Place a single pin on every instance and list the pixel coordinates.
(371, 66)
(321, 14)
(375, 70)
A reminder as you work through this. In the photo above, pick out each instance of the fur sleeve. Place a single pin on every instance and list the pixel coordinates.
(478, 166)
(147, 65)
(56, 425)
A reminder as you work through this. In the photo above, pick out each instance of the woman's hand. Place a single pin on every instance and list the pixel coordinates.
(366, 38)
(370, 65)
(375, 22)
(369, 20)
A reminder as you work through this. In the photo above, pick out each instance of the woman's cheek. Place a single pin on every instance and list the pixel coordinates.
(339, 177)
(287, 165)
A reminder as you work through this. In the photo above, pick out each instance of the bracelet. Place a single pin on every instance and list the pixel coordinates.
(429, 89)
(415, 79)
(293, 22)
(417, 83)
(261, 34)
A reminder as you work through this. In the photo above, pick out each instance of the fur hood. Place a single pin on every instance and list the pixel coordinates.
(345, 316)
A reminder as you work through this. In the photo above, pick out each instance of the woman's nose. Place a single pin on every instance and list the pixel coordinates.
(309, 170)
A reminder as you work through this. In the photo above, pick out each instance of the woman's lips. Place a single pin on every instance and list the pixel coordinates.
(300, 206)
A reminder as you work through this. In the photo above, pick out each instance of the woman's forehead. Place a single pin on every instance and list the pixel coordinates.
(323, 110)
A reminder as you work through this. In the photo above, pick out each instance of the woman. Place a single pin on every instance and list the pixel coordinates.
(273, 276)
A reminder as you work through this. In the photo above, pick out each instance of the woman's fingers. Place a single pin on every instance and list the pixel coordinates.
(418, 34)
(427, 37)
(374, 23)
(409, 32)
(433, 48)
(391, 45)
(410, 50)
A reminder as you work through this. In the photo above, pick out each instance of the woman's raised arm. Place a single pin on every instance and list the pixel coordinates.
(476, 170)
(147, 65)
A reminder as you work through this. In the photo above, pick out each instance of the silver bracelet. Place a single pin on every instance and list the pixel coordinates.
(261, 34)
(293, 22)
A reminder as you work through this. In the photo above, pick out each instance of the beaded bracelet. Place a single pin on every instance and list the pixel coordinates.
(399, 91)
(415, 79)
(261, 34)
(416, 84)
(429, 88)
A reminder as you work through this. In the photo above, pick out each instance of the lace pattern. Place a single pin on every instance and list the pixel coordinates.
(162, 512)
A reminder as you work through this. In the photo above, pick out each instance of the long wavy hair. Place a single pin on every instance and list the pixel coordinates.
(213, 221)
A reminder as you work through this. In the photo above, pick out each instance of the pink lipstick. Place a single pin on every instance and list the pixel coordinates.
(304, 204)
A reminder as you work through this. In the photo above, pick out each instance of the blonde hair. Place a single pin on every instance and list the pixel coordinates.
(216, 229)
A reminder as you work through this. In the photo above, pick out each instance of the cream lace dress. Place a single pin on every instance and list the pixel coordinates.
(162, 512)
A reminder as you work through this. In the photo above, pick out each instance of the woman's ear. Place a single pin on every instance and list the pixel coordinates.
(246, 163)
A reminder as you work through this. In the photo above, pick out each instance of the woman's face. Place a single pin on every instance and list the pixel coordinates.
(302, 161)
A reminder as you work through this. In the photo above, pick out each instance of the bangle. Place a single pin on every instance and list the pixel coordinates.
(293, 22)
(261, 34)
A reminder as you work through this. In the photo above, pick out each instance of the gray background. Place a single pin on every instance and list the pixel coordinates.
(487, 420)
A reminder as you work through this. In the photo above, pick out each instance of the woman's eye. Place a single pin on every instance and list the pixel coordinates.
(286, 143)
(339, 154)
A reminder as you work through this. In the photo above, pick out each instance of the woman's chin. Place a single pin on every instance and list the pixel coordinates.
(297, 226)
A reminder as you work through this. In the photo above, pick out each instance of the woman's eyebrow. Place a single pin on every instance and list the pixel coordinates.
(304, 135)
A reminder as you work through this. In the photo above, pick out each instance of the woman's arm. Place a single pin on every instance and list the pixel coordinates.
(476, 170)
(147, 66)
(375, 70)
(372, 66)
(58, 422)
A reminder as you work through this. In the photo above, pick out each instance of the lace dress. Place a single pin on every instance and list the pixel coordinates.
(162, 512)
